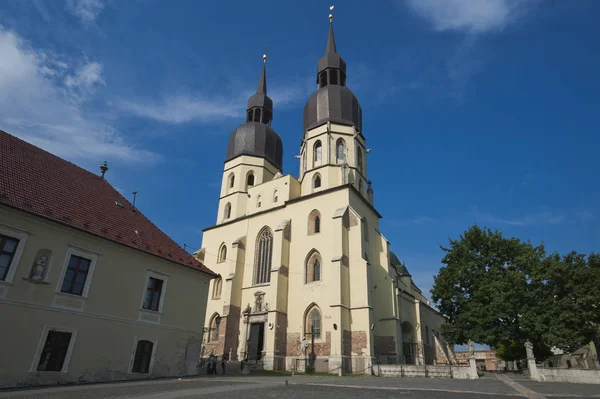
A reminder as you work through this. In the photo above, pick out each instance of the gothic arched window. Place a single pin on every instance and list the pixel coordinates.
(213, 329)
(340, 150)
(317, 153)
(359, 159)
(218, 285)
(227, 212)
(250, 180)
(314, 222)
(222, 254)
(263, 257)
(313, 323)
(231, 180)
(317, 181)
(313, 267)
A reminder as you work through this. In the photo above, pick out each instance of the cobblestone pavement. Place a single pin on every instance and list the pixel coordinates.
(301, 387)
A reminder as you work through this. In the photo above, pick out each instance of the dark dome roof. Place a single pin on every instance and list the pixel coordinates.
(258, 140)
(332, 103)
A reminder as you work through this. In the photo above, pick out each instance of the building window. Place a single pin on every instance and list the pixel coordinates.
(258, 202)
(264, 253)
(222, 254)
(313, 323)
(8, 249)
(76, 275)
(213, 330)
(317, 181)
(314, 222)
(323, 78)
(250, 180)
(275, 196)
(227, 211)
(55, 351)
(340, 151)
(359, 159)
(217, 287)
(365, 227)
(360, 185)
(313, 267)
(154, 291)
(317, 153)
(143, 357)
(231, 180)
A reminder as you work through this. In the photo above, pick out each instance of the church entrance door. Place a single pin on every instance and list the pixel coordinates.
(256, 341)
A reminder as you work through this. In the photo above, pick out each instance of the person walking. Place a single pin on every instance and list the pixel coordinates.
(224, 360)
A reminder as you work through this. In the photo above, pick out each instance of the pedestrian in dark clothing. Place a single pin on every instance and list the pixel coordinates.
(224, 360)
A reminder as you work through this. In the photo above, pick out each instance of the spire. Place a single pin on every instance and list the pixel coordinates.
(260, 106)
(331, 49)
(262, 83)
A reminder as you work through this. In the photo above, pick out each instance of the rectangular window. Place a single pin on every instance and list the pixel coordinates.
(76, 275)
(55, 350)
(143, 357)
(153, 294)
(8, 248)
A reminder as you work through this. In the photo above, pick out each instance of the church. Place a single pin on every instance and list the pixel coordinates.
(304, 271)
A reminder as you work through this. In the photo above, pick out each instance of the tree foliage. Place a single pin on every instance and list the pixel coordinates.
(501, 292)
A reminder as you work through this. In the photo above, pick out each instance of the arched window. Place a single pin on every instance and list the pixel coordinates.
(258, 201)
(263, 257)
(317, 153)
(227, 212)
(217, 286)
(275, 196)
(340, 150)
(222, 254)
(359, 159)
(314, 222)
(250, 180)
(231, 180)
(313, 267)
(313, 323)
(213, 329)
(317, 181)
(323, 79)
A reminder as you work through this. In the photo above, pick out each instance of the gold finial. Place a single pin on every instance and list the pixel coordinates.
(330, 13)
(265, 55)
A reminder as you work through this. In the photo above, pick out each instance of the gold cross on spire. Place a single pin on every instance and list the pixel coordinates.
(265, 54)
(330, 13)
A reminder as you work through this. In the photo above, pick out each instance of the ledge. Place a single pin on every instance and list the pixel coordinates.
(35, 281)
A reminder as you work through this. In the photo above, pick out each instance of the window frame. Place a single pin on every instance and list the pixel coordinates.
(14, 263)
(137, 339)
(317, 153)
(162, 298)
(338, 142)
(222, 257)
(211, 333)
(217, 288)
(314, 181)
(308, 316)
(42, 343)
(227, 211)
(267, 257)
(92, 257)
(313, 257)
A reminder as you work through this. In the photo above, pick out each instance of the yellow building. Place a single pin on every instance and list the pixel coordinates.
(303, 259)
(90, 289)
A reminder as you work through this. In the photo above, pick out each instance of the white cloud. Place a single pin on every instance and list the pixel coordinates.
(37, 94)
(475, 16)
(184, 108)
(534, 219)
(86, 10)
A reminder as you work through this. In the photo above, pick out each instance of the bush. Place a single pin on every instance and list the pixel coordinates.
(310, 369)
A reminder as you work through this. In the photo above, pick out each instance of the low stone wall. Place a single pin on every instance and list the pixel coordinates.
(569, 375)
(407, 370)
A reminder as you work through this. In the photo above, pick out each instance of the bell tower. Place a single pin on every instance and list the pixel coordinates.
(333, 149)
(254, 154)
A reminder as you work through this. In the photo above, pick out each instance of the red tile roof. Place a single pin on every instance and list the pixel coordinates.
(37, 182)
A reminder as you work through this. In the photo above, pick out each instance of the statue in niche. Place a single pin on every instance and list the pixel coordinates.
(37, 272)
(303, 345)
(258, 301)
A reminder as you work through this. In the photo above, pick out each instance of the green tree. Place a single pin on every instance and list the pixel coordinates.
(502, 291)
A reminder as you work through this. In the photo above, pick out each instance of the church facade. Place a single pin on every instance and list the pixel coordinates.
(303, 267)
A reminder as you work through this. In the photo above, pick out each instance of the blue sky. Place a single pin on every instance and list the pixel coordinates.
(477, 111)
